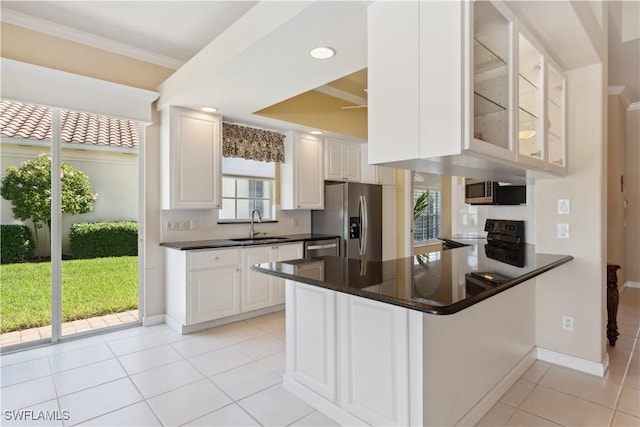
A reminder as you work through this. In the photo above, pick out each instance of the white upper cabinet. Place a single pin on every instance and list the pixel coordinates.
(495, 125)
(191, 159)
(341, 161)
(555, 100)
(373, 174)
(302, 173)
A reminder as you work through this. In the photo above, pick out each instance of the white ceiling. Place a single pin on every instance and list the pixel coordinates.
(242, 56)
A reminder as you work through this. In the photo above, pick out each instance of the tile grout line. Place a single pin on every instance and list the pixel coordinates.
(624, 378)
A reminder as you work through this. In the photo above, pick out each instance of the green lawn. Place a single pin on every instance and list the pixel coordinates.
(90, 287)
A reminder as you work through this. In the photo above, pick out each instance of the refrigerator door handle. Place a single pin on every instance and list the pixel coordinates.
(364, 219)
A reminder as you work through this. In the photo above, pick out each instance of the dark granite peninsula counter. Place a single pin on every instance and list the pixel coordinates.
(442, 282)
(394, 342)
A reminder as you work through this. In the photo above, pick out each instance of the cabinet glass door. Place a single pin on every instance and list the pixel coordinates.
(491, 60)
(530, 81)
(555, 117)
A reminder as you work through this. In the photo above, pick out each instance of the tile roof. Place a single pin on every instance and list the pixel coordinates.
(33, 122)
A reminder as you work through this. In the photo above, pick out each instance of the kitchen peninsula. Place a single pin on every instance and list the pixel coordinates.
(394, 342)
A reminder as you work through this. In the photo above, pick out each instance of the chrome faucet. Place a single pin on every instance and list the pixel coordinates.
(252, 232)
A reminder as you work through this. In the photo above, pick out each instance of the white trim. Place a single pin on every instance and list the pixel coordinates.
(187, 329)
(632, 284)
(45, 86)
(492, 397)
(78, 36)
(67, 145)
(341, 94)
(624, 97)
(584, 365)
(158, 319)
(323, 405)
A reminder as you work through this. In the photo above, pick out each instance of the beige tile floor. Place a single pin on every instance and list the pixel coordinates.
(69, 328)
(550, 395)
(232, 376)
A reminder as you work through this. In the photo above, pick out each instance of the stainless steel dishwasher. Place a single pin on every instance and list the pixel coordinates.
(326, 247)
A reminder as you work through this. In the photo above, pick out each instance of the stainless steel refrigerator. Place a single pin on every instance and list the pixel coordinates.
(354, 212)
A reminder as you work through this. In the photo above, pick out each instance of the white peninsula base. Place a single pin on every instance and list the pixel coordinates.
(365, 362)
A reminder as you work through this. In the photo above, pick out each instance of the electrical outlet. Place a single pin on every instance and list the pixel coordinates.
(567, 323)
(563, 231)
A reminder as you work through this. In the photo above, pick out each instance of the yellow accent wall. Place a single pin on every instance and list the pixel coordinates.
(320, 111)
(21, 44)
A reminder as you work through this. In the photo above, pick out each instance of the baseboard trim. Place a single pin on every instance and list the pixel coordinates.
(153, 320)
(631, 284)
(492, 397)
(323, 405)
(219, 322)
(588, 366)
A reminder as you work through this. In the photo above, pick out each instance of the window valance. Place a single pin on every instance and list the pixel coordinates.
(251, 143)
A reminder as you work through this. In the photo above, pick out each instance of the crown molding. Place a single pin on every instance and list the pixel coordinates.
(623, 94)
(67, 33)
(634, 106)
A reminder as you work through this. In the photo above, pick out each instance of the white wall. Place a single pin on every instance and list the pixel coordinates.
(289, 222)
(577, 288)
(632, 195)
(470, 219)
(113, 176)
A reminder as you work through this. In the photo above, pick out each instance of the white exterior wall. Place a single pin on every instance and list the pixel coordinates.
(113, 175)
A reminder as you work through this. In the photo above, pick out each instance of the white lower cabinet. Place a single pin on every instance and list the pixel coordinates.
(210, 284)
(369, 349)
(311, 340)
(373, 360)
(261, 290)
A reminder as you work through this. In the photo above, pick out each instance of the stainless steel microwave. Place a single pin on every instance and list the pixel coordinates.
(493, 193)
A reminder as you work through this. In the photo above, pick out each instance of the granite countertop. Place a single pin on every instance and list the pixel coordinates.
(442, 282)
(227, 243)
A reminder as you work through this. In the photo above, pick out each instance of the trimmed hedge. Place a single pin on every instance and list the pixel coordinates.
(104, 239)
(16, 243)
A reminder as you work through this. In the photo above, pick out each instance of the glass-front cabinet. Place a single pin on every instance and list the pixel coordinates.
(555, 103)
(492, 56)
(530, 104)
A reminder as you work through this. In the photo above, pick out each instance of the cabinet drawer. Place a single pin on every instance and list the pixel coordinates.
(213, 258)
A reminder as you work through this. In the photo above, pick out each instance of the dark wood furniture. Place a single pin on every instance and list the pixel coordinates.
(612, 303)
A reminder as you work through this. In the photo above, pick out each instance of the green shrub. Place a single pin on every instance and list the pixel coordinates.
(104, 239)
(16, 243)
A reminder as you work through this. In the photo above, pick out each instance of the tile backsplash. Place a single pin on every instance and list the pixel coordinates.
(289, 222)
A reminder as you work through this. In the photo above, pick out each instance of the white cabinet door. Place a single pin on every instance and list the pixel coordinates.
(256, 287)
(214, 294)
(351, 155)
(373, 360)
(311, 337)
(342, 160)
(368, 173)
(283, 253)
(302, 174)
(192, 160)
(334, 161)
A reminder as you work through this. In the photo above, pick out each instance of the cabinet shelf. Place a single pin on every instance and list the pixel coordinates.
(484, 59)
(483, 106)
(525, 116)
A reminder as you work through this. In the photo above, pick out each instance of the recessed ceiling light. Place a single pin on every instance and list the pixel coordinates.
(322, 52)
(316, 132)
(209, 109)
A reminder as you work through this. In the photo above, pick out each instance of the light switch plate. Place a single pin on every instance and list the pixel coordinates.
(564, 206)
(563, 231)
